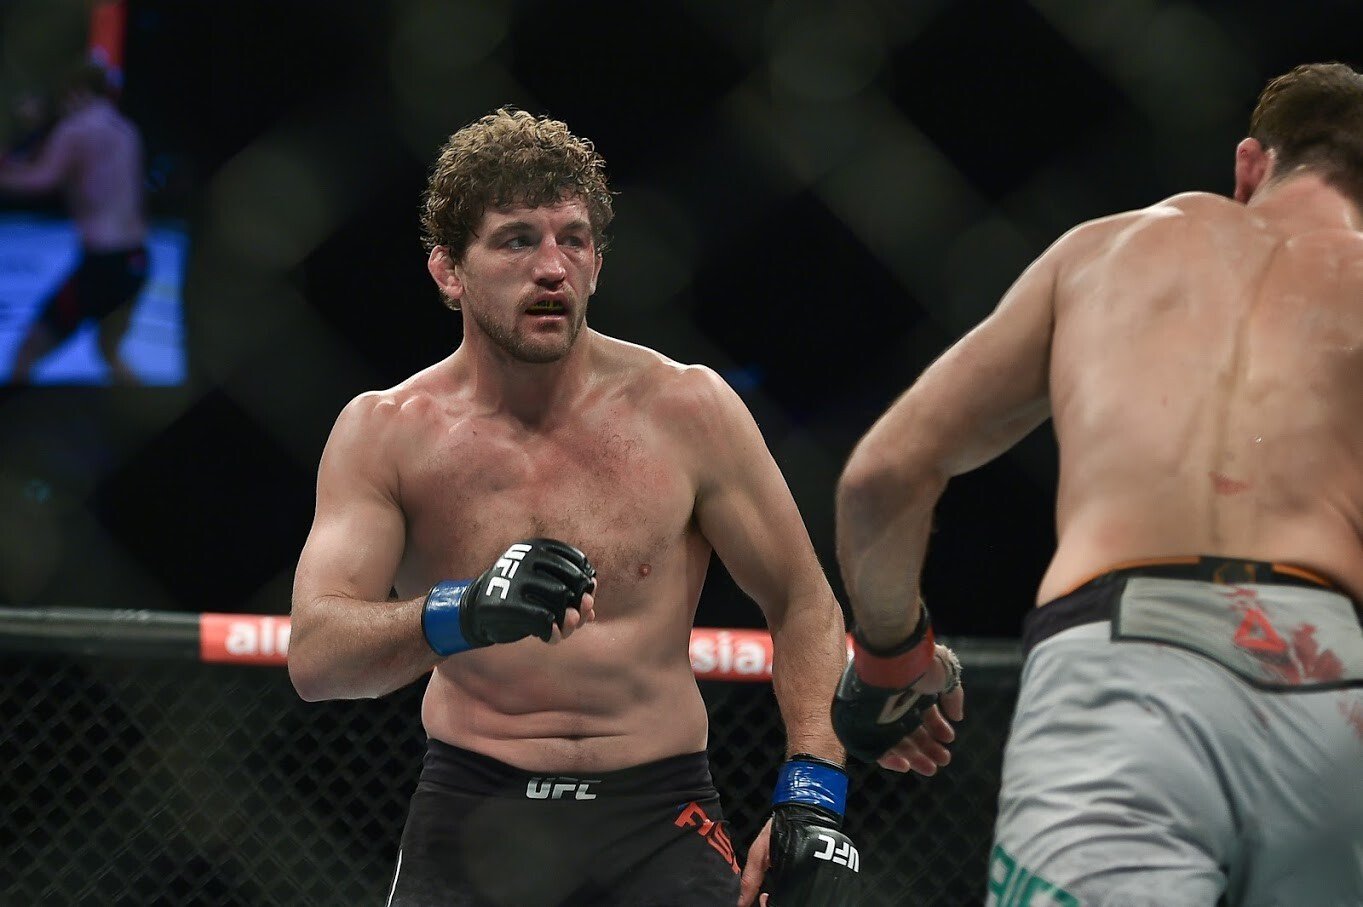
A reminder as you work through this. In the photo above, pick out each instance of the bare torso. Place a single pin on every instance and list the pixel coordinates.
(1207, 393)
(104, 183)
(611, 481)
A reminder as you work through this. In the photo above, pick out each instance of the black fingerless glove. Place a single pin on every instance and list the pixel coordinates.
(812, 862)
(875, 706)
(525, 593)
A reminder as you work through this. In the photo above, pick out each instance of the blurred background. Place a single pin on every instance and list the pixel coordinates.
(814, 199)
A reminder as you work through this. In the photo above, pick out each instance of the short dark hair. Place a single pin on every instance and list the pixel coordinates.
(505, 159)
(1313, 117)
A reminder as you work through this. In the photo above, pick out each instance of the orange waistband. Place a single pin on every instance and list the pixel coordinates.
(1215, 569)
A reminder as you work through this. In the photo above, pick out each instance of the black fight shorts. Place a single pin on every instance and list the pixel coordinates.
(481, 833)
(100, 284)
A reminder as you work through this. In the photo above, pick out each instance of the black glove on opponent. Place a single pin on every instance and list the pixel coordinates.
(875, 707)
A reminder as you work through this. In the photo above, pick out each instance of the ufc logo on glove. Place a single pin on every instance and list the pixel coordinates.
(506, 568)
(844, 854)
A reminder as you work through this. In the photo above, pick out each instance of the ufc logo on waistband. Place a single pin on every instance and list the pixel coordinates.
(559, 789)
(843, 854)
(507, 565)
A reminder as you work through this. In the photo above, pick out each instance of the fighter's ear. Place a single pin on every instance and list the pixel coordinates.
(596, 274)
(445, 272)
(1253, 167)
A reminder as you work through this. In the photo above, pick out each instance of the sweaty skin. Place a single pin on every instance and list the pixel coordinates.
(1212, 406)
(1202, 360)
(616, 477)
(644, 464)
(95, 154)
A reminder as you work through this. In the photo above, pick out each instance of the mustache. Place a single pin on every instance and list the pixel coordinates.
(565, 298)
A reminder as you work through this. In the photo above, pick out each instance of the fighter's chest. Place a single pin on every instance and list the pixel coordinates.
(616, 489)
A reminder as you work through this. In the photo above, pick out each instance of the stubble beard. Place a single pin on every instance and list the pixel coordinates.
(523, 348)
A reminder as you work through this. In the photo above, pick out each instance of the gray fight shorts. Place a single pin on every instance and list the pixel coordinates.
(1184, 737)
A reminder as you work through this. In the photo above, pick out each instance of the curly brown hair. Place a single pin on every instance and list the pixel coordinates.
(505, 159)
(1313, 117)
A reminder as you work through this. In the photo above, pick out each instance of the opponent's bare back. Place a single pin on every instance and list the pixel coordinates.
(1202, 360)
(1206, 380)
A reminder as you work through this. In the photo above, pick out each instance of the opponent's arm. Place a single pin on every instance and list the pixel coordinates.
(745, 509)
(977, 400)
(348, 641)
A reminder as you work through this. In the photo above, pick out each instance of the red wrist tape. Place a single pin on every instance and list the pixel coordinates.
(897, 669)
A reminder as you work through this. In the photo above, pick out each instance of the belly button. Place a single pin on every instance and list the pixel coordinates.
(645, 570)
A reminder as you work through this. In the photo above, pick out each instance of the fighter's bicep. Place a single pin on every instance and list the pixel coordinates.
(756, 530)
(746, 511)
(352, 551)
(358, 531)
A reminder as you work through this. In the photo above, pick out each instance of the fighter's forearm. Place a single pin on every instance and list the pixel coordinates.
(884, 518)
(343, 648)
(809, 648)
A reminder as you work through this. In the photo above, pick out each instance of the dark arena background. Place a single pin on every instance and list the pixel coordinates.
(814, 199)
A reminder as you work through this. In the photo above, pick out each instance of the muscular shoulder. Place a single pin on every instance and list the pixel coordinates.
(380, 417)
(648, 377)
(1197, 204)
(1172, 213)
(369, 412)
(363, 431)
(692, 403)
(695, 399)
(1174, 225)
(1195, 217)
(708, 422)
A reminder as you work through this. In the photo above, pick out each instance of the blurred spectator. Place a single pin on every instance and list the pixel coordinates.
(94, 155)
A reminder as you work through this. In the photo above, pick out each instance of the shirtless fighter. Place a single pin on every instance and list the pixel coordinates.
(567, 738)
(94, 154)
(1189, 726)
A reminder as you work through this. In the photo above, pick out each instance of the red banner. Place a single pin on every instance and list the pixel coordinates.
(716, 654)
(256, 639)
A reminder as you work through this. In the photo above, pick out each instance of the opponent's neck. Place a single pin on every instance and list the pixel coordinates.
(1304, 201)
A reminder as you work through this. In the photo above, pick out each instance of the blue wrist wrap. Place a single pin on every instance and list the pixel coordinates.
(813, 783)
(440, 617)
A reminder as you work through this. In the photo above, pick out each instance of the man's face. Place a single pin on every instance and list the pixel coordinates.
(526, 277)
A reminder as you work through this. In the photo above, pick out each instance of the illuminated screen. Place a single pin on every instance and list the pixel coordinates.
(38, 256)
